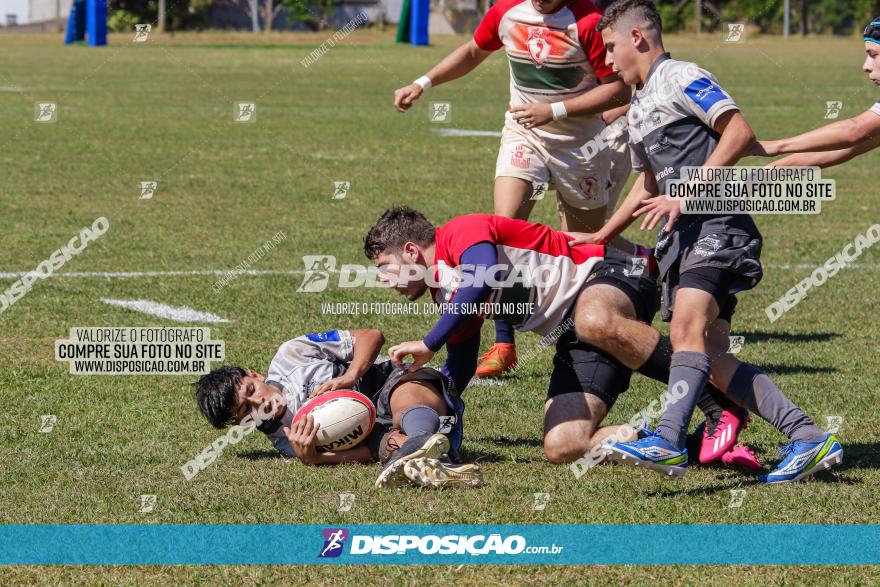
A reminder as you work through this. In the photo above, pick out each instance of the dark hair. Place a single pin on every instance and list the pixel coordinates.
(642, 9)
(215, 394)
(395, 228)
(872, 31)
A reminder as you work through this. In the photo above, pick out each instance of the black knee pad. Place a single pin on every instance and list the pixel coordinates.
(581, 368)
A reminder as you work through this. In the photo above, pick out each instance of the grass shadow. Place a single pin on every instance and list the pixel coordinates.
(763, 336)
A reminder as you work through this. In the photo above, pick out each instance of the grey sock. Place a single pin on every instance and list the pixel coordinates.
(418, 420)
(688, 375)
(751, 388)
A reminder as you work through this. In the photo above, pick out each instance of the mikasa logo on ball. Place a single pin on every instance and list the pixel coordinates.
(349, 439)
(345, 418)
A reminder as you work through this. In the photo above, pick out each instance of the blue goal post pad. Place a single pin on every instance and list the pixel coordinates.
(420, 11)
(76, 23)
(96, 22)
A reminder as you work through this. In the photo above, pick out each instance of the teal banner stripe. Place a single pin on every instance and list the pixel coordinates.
(425, 544)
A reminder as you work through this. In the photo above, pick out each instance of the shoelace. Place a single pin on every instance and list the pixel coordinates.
(783, 451)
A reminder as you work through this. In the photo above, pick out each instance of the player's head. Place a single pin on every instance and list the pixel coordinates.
(229, 394)
(872, 48)
(631, 31)
(397, 244)
(549, 6)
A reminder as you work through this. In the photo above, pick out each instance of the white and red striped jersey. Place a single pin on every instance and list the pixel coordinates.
(558, 269)
(552, 57)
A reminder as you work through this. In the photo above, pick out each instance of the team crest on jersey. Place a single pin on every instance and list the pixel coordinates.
(589, 187)
(539, 44)
(518, 158)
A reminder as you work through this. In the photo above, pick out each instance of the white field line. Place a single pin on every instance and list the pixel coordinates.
(463, 132)
(176, 313)
(219, 272)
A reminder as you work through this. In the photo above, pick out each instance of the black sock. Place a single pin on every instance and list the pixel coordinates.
(657, 365)
(503, 331)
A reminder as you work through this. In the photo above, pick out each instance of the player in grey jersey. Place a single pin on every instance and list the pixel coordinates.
(681, 117)
(418, 414)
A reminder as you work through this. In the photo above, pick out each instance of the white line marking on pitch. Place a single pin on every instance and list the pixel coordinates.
(219, 272)
(463, 132)
(176, 313)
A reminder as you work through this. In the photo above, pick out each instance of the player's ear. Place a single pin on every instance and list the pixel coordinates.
(411, 250)
(255, 375)
(635, 34)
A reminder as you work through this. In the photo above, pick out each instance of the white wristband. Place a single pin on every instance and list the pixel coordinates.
(559, 111)
(424, 82)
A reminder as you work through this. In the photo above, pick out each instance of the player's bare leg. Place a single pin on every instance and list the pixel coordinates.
(571, 426)
(410, 394)
(605, 318)
(576, 220)
(512, 199)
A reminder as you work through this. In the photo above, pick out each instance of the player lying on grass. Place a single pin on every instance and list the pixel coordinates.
(598, 290)
(839, 141)
(410, 407)
(680, 116)
(559, 87)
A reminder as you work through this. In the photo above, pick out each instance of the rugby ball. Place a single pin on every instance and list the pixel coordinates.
(346, 418)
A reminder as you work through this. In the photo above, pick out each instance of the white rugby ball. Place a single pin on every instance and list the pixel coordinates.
(346, 418)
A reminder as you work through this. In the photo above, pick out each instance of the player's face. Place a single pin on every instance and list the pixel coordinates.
(255, 396)
(403, 271)
(621, 55)
(549, 6)
(872, 61)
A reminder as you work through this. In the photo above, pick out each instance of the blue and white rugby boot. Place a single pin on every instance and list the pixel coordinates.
(652, 452)
(802, 459)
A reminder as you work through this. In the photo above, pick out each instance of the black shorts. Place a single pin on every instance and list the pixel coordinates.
(718, 259)
(637, 281)
(382, 378)
(579, 367)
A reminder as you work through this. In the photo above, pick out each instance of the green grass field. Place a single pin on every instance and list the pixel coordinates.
(163, 111)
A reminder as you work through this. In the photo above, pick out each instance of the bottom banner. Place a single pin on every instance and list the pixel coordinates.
(439, 544)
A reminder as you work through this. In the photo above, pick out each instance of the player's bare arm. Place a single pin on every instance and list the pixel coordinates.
(610, 94)
(455, 65)
(825, 159)
(737, 138)
(609, 116)
(367, 344)
(860, 131)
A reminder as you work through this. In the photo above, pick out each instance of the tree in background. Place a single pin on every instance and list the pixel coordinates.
(314, 14)
(807, 16)
(122, 15)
